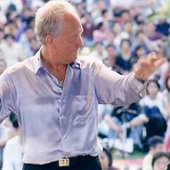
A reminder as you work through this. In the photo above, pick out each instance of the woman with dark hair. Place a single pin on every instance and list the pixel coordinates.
(166, 101)
(154, 110)
(100, 34)
(125, 56)
(166, 94)
(138, 52)
(160, 161)
(153, 116)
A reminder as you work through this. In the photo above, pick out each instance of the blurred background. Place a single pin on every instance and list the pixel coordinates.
(117, 32)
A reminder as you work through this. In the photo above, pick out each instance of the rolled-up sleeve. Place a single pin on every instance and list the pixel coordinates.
(7, 96)
(114, 88)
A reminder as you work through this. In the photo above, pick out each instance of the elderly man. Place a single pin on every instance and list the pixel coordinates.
(55, 94)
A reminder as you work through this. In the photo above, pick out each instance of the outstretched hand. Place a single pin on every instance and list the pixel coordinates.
(147, 65)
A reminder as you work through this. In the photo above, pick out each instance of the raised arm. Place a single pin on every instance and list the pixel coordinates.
(117, 89)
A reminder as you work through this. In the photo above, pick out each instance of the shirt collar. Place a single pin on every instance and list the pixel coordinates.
(76, 64)
(38, 65)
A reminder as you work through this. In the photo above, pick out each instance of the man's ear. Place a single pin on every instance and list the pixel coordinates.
(49, 39)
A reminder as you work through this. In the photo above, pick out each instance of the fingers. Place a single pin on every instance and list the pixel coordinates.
(153, 57)
(144, 62)
(147, 65)
(159, 62)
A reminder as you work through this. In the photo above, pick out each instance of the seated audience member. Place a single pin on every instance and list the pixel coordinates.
(160, 161)
(121, 116)
(153, 111)
(166, 101)
(12, 157)
(155, 145)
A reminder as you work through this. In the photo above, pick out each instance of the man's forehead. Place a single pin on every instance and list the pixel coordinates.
(73, 23)
(70, 17)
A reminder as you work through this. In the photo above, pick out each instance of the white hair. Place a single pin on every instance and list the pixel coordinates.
(49, 18)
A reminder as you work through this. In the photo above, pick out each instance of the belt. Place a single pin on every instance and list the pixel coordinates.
(67, 162)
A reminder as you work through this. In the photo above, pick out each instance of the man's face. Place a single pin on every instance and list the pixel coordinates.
(69, 41)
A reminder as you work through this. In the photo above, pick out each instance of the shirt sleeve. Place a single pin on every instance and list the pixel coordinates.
(114, 88)
(7, 96)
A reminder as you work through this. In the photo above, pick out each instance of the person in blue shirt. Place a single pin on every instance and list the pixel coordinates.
(55, 94)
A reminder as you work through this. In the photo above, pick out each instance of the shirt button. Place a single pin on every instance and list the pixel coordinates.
(65, 136)
(59, 94)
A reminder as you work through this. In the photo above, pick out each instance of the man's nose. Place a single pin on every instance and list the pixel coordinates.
(79, 42)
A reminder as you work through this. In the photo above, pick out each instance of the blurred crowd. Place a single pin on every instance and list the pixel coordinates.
(119, 33)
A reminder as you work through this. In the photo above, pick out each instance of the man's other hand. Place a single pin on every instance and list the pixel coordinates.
(147, 65)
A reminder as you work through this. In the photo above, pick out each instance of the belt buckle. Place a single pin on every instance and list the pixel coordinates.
(65, 162)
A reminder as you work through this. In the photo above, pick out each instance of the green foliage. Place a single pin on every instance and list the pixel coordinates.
(161, 12)
(165, 9)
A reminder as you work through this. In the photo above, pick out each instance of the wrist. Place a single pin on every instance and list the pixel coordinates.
(142, 81)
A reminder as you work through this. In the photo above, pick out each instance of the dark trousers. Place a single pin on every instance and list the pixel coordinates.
(82, 163)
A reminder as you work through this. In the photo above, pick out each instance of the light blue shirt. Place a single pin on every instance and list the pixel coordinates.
(58, 122)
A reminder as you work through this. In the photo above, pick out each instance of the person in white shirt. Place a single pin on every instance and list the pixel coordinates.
(12, 156)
